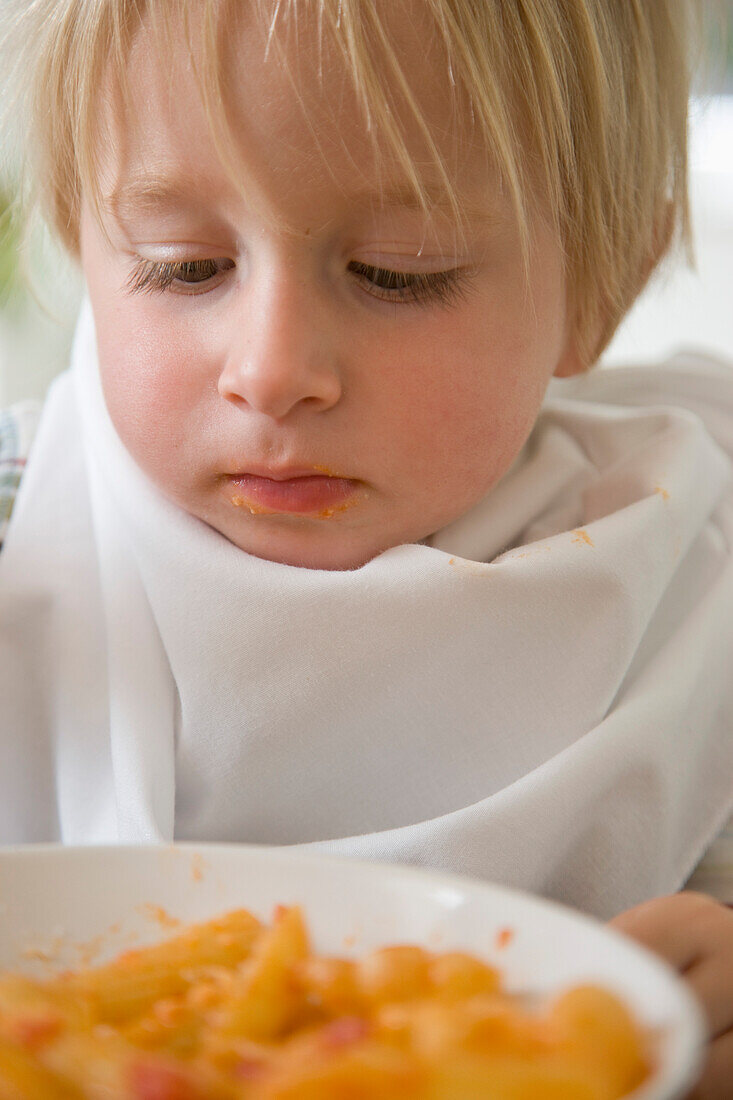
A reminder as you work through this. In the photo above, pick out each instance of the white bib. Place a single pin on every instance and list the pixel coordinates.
(540, 695)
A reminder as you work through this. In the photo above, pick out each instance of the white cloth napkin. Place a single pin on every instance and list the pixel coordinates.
(541, 695)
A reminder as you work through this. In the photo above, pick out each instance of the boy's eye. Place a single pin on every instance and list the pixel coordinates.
(405, 286)
(160, 275)
(393, 286)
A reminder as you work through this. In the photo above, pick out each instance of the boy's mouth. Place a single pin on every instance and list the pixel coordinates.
(292, 490)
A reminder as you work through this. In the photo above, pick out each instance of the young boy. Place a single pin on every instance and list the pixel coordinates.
(310, 549)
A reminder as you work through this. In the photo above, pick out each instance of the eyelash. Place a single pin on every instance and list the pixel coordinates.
(419, 288)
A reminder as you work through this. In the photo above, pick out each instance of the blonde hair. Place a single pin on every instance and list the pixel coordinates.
(581, 101)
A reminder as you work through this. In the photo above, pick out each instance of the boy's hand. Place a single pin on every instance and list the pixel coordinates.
(694, 933)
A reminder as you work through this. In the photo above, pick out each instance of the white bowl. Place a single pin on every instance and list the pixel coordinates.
(63, 906)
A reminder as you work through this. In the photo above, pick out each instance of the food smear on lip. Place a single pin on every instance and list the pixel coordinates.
(327, 513)
(317, 495)
(260, 510)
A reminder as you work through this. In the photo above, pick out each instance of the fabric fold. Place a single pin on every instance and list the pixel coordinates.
(538, 694)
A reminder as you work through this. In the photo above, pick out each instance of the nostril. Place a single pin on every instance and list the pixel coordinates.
(276, 392)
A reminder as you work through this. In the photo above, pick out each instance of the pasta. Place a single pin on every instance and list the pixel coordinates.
(235, 1009)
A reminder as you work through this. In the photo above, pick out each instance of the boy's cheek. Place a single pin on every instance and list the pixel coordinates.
(153, 402)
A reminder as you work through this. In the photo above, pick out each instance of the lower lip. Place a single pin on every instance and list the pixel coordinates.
(303, 495)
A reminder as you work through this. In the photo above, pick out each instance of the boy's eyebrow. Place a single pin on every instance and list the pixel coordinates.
(157, 193)
(147, 194)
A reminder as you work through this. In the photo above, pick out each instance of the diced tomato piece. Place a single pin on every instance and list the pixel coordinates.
(154, 1081)
(249, 1069)
(33, 1031)
(344, 1031)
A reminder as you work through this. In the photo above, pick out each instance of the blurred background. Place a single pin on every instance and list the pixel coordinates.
(681, 308)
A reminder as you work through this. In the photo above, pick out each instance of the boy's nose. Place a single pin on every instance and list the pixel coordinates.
(281, 357)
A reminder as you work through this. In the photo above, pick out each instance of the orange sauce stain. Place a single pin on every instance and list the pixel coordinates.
(582, 537)
(37, 954)
(262, 509)
(662, 492)
(197, 868)
(54, 956)
(89, 951)
(57, 951)
(503, 938)
(255, 509)
(328, 512)
(159, 915)
(465, 565)
(511, 556)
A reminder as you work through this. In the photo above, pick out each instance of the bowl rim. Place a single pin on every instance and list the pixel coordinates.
(688, 1054)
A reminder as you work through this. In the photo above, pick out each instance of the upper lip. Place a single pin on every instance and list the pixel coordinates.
(283, 473)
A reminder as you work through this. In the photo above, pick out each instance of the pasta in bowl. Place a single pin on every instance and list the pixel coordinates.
(299, 976)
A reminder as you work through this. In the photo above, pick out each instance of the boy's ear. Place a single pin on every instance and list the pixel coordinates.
(570, 362)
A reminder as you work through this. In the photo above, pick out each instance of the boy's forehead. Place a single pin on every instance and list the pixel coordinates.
(298, 125)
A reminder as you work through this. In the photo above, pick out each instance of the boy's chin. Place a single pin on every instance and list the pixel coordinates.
(303, 549)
